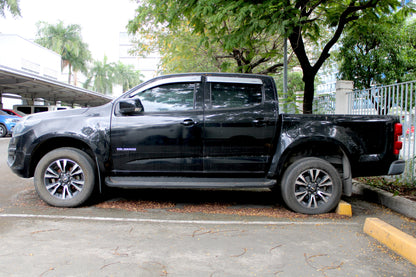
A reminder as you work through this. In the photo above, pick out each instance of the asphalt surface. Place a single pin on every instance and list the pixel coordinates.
(38, 240)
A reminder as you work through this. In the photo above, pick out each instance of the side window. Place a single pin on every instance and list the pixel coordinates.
(169, 97)
(230, 95)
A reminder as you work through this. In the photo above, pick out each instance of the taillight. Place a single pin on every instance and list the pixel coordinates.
(398, 131)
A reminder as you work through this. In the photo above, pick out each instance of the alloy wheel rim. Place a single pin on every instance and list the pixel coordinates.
(64, 179)
(313, 188)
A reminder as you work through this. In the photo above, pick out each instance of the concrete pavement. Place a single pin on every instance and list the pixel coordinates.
(38, 240)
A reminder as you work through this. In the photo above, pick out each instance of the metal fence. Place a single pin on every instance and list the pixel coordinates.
(324, 104)
(397, 99)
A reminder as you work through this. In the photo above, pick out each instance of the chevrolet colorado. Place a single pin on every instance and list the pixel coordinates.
(203, 130)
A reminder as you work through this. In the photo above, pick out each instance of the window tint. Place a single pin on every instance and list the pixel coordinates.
(225, 95)
(169, 97)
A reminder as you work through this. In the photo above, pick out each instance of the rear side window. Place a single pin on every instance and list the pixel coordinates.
(233, 95)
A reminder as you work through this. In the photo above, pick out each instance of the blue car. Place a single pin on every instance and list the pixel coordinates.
(7, 123)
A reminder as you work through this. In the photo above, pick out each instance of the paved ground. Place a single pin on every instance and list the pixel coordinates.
(38, 240)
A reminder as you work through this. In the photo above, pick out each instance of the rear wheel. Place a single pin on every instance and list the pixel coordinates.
(65, 177)
(311, 186)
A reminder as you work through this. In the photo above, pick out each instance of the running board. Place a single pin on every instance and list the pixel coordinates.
(187, 182)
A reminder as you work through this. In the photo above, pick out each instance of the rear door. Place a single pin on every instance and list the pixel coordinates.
(239, 126)
(167, 136)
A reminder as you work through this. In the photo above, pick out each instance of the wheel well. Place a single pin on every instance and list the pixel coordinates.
(53, 144)
(324, 150)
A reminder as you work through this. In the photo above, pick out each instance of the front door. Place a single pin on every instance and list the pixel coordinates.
(165, 138)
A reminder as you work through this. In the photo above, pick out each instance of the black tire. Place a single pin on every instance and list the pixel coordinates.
(311, 186)
(3, 131)
(65, 177)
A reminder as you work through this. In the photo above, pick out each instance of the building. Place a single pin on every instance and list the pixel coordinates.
(148, 66)
(31, 74)
(27, 56)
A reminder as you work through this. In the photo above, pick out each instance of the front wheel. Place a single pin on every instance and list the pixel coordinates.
(311, 186)
(65, 177)
(3, 131)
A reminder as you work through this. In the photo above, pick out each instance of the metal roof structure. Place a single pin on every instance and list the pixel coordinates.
(15, 83)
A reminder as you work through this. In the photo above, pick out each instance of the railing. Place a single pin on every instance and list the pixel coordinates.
(324, 104)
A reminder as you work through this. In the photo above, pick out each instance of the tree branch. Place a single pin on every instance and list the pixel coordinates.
(345, 18)
(271, 69)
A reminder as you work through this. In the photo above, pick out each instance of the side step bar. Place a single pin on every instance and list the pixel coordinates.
(187, 182)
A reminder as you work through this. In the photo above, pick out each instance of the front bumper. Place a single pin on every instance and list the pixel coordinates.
(17, 160)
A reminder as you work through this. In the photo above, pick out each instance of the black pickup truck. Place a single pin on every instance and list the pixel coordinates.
(205, 130)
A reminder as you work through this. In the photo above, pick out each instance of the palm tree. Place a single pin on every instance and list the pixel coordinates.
(126, 76)
(101, 75)
(66, 41)
(11, 5)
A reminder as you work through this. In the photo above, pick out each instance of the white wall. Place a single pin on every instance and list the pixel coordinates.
(22, 54)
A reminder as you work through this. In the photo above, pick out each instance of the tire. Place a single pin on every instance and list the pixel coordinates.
(311, 186)
(3, 131)
(65, 177)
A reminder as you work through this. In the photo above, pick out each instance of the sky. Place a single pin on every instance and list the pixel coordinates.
(101, 21)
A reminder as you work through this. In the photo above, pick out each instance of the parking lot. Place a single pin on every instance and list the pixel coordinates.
(187, 233)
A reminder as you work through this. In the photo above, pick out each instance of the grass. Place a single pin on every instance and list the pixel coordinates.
(397, 186)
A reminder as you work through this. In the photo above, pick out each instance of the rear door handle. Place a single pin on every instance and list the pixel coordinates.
(188, 122)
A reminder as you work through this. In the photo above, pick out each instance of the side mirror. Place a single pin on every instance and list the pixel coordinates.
(130, 107)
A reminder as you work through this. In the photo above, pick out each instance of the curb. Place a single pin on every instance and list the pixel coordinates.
(398, 204)
(398, 241)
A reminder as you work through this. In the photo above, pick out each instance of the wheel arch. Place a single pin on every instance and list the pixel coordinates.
(51, 144)
(329, 150)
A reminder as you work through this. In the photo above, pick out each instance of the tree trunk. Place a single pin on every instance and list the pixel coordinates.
(69, 73)
(309, 93)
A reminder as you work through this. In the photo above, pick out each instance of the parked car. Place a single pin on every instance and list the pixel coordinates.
(13, 112)
(203, 131)
(7, 123)
(30, 109)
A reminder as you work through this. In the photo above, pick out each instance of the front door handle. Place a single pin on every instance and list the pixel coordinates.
(188, 122)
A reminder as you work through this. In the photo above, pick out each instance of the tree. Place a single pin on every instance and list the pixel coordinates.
(289, 102)
(370, 54)
(209, 44)
(242, 24)
(66, 41)
(180, 49)
(11, 5)
(310, 19)
(103, 75)
(126, 76)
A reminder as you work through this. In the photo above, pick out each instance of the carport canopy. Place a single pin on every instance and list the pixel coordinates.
(18, 84)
